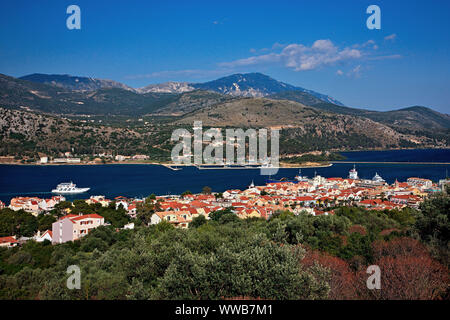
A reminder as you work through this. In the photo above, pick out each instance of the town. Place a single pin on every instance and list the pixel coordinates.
(315, 196)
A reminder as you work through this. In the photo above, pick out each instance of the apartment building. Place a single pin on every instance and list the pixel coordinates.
(73, 227)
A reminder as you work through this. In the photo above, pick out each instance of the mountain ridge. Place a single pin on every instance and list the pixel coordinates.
(301, 123)
(256, 85)
(253, 85)
(18, 93)
(77, 83)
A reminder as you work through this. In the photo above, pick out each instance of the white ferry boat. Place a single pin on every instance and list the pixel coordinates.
(69, 188)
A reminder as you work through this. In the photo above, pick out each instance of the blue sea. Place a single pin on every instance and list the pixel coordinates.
(142, 180)
(413, 155)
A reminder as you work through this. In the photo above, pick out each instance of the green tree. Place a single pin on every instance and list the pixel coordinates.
(185, 193)
(197, 221)
(433, 225)
(206, 190)
(45, 222)
(17, 223)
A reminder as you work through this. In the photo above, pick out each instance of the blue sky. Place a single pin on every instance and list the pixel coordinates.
(320, 45)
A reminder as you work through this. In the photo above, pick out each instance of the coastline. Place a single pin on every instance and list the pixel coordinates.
(167, 165)
(299, 165)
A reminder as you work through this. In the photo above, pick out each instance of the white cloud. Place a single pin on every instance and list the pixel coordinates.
(390, 37)
(300, 57)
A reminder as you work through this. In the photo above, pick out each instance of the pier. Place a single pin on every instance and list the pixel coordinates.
(238, 167)
(168, 166)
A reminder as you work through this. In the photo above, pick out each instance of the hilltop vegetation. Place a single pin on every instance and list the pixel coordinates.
(307, 128)
(26, 134)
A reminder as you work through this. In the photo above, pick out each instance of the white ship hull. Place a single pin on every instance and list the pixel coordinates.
(76, 191)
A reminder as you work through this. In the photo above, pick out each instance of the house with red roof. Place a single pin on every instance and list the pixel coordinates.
(231, 194)
(132, 210)
(73, 227)
(368, 203)
(205, 197)
(180, 219)
(8, 242)
(47, 235)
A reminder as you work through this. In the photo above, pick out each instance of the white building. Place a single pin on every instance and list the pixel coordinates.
(47, 235)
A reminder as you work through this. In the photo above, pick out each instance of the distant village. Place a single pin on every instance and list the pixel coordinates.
(316, 196)
(69, 158)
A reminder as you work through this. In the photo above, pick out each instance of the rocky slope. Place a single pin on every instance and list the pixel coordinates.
(307, 124)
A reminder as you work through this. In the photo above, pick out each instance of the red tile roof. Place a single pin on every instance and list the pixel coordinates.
(87, 216)
(8, 240)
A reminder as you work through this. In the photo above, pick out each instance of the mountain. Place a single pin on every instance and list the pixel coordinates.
(256, 85)
(417, 117)
(18, 93)
(297, 96)
(307, 128)
(241, 85)
(186, 102)
(414, 118)
(238, 85)
(69, 82)
(26, 133)
(167, 87)
(322, 126)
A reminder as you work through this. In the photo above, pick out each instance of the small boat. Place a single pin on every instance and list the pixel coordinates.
(267, 165)
(284, 179)
(301, 178)
(378, 178)
(353, 174)
(69, 188)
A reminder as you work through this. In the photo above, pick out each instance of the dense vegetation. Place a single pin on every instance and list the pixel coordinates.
(24, 224)
(24, 134)
(323, 156)
(287, 257)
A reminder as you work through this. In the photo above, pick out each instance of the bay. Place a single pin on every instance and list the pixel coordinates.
(136, 180)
